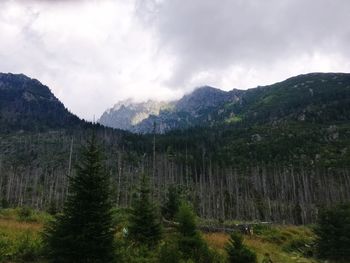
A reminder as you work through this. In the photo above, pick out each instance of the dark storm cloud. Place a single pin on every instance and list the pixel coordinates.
(208, 34)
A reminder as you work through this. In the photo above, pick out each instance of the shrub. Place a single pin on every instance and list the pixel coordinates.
(4, 203)
(169, 253)
(238, 252)
(189, 241)
(333, 233)
(25, 213)
(29, 247)
(301, 245)
(25, 246)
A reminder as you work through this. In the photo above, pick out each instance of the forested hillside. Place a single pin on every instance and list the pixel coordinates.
(315, 97)
(27, 105)
(275, 153)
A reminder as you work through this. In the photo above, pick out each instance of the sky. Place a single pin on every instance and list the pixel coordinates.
(94, 53)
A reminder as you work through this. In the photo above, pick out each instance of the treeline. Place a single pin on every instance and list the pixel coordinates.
(34, 171)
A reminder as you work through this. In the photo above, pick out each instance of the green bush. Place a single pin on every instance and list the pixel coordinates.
(25, 246)
(25, 213)
(271, 234)
(238, 252)
(4, 203)
(302, 245)
(132, 253)
(189, 240)
(333, 233)
(169, 253)
(29, 247)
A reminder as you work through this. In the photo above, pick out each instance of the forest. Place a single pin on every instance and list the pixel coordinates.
(271, 171)
(90, 227)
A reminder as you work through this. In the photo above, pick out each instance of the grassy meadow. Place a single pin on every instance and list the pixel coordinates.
(20, 239)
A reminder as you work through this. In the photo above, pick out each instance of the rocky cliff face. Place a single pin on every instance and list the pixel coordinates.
(127, 114)
(192, 109)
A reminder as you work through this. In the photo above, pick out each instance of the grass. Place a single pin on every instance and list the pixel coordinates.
(20, 239)
(284, 244)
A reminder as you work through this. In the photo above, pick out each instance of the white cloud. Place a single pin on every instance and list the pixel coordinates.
(94, 53)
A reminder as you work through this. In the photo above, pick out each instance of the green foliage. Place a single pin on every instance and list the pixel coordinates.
(302, 245)
(172, 203)
(187, 220)
(292, 239)
(52, 209)
(238, 252)
(4, 203)
(189, 241)
(169, 252)
(333, 233)
(25, 213)
(144, 223)
(84, 231)
(129, 253)
(20, 246)
(271, 234)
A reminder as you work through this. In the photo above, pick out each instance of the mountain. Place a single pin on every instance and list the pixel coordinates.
(26, 104)
(313, 97)
(192, 109)
(273, 153)
(127, 114)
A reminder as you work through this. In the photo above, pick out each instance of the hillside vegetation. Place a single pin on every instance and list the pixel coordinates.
(21, 239)
(275, 153)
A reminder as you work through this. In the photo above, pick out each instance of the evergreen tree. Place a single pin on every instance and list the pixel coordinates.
(190, 242)
(172, 203)
(144, 223)
(187, 221)
(84, 231)
(238, 252)
(333, 233)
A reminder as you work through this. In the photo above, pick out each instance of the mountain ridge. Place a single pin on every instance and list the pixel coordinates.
(27, 104)
(207, 106)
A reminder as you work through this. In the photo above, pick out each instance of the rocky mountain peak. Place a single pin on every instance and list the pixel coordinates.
(127, 113)
(27, 104)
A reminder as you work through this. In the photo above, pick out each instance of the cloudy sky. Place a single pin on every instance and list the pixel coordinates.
(93, 53)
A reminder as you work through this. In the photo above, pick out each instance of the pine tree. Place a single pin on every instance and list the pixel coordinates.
(190, 242)
(144, 223)
(238, 252)
(172, 203)
(187, 221)
(333, 233)
(84, 231)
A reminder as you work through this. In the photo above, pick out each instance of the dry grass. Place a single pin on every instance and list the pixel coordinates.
(10, 224)
(262, 245)
(216, 240)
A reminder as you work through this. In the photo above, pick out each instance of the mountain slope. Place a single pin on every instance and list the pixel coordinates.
(249, 156)
(192, 109)
(314, 97)
(26, 104)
